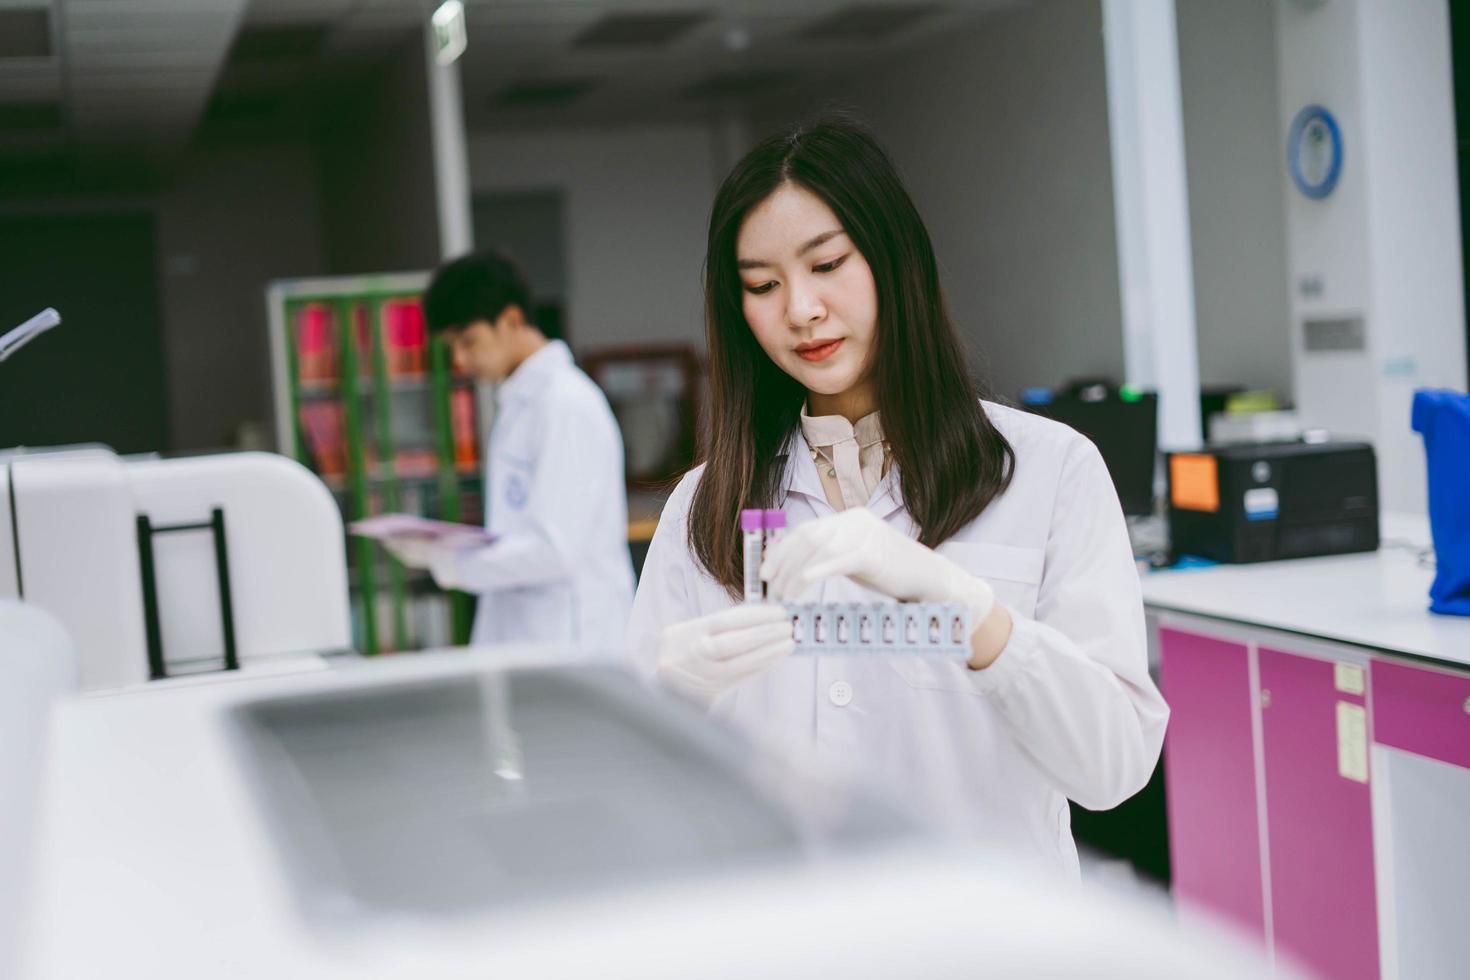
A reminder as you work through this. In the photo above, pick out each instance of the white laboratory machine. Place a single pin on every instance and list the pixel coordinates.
(37, 666)
(161, 567)
(492, 813)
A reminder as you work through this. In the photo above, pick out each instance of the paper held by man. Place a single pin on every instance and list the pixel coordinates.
(383, 527)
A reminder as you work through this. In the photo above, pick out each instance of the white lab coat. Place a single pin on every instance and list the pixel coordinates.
(1068, 709)
(560, 572)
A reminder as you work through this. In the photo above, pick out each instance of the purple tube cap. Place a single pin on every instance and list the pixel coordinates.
(775, 520)
(750, 520)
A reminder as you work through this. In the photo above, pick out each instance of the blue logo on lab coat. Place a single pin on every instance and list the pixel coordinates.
(515, 492)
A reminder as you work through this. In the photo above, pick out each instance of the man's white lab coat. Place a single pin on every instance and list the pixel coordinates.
(559, 572)
(1068, 710)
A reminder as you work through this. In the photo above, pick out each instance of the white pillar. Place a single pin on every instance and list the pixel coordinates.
(1382, 251)
(451, 160)
(1150, 195)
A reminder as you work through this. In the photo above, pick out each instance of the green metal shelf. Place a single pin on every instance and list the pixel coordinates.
(368, 425)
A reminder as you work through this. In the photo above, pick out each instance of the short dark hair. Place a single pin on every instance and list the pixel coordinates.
(478, 286)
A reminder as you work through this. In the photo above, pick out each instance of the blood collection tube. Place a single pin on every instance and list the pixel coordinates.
(751, 539)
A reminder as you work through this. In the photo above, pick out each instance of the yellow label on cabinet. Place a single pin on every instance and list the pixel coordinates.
(1348, 678)
(1352, 741)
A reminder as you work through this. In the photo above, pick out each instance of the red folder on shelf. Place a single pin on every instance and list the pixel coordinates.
(462, 426)
(406, 339)
(315, 344)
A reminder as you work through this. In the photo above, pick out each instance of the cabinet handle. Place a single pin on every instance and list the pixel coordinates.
(1266, 699)
(1467, 706)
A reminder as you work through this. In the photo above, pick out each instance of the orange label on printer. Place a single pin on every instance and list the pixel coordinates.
(1194, 482)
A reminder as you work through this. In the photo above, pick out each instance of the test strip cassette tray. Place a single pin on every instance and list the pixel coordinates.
(880, 627)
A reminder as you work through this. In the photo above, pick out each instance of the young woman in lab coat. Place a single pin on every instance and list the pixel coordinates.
(839, 392)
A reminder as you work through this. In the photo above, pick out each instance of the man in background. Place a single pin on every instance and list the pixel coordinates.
(558, 571)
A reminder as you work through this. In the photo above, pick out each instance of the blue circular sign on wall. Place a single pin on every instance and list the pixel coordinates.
(1314, 151)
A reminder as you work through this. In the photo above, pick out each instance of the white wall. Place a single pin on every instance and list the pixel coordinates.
(1414, 223)
(1002, 136)
(1227, 69)
(1385, 245)
(1327, 241)
(636, 205)
(1001, 133)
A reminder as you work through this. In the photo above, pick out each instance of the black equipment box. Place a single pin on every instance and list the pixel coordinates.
(1275, 500)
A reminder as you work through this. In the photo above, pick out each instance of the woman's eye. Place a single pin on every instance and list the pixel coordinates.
(829, 266)
(760, 289)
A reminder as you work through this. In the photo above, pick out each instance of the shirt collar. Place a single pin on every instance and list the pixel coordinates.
(533, 372)
(888, 495)
(828, 430)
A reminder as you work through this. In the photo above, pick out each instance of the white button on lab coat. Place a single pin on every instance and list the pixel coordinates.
(560, 572)
(1068, 709)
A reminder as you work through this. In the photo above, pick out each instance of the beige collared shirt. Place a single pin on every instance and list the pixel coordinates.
(850, 457)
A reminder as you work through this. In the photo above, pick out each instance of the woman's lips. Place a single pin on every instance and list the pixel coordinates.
(818, 352)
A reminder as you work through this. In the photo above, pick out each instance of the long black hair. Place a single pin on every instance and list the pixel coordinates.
(952, 462)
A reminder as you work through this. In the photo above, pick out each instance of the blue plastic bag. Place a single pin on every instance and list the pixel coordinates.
(1443, 419)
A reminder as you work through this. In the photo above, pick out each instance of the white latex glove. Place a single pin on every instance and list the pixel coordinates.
(705, 657)
(858, 544)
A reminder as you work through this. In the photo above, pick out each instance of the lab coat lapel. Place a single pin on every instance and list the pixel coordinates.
(801, 473)
(887, 497)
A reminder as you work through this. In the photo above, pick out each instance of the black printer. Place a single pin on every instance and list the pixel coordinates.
(1265, 501)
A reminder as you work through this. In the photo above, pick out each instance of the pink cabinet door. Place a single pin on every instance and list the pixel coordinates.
(1209, 778)
(1422, 710)
(1319, 822)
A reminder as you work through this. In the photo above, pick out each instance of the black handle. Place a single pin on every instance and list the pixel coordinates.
(157, 668)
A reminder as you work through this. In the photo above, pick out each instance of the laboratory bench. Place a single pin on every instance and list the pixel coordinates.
(1317, 762)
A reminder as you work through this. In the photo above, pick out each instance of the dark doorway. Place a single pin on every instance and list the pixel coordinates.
(99, 377)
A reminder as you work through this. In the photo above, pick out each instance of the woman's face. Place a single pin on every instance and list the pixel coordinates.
(808, 293)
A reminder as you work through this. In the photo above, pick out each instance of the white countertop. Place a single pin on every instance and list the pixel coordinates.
(1378, 600)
